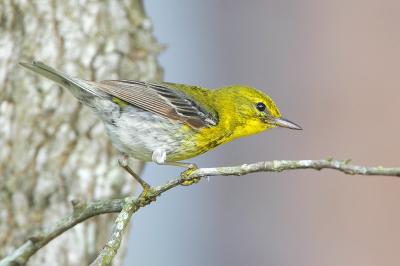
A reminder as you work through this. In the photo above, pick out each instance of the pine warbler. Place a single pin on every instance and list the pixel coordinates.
(166, 122)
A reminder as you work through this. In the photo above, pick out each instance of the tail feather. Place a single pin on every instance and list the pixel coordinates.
(78, 87)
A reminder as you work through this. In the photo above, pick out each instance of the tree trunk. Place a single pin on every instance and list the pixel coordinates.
(52, 149)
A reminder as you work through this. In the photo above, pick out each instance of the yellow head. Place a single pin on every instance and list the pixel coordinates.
(246, 111)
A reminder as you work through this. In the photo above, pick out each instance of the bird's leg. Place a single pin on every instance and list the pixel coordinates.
(183, 165)
(159, 156)
(123, 162)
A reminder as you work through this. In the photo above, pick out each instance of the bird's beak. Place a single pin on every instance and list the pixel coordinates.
(282, 122)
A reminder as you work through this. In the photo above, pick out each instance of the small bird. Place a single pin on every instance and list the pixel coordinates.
(167, 122)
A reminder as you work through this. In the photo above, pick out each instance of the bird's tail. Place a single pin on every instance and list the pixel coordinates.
(79, 88)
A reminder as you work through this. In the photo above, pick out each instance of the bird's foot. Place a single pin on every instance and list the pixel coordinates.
(187, 173)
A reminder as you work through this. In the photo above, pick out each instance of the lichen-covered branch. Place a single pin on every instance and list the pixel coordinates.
(278, 166)
(81, 212)
(128, 206)
(192, 176)
(110, 249)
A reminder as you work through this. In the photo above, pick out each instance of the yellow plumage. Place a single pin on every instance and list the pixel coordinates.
(167, 122)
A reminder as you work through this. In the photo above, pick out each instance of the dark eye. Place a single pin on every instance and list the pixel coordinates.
(261, 107)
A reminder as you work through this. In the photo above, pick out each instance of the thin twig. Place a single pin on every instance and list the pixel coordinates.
(130, 205)
(279, 166)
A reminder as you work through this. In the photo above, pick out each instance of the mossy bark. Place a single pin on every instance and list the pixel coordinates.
(52, 149)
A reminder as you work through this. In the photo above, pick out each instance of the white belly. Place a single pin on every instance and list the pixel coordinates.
(138, 133)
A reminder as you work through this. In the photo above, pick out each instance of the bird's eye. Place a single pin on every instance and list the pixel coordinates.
(261, 107)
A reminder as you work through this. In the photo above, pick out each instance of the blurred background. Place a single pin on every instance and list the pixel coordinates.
(331, 66)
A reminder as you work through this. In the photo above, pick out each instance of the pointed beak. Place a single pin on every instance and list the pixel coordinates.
(282, 122)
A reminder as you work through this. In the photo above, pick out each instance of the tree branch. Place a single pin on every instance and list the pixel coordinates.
(81, 212)
(128, 206)
(279, 166)
(191, 176)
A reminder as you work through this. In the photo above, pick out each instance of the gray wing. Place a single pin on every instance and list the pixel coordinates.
(159, 99)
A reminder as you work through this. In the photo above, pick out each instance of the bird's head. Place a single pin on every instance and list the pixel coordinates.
(251, 111)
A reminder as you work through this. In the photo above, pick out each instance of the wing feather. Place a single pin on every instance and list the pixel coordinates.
(159, 99)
